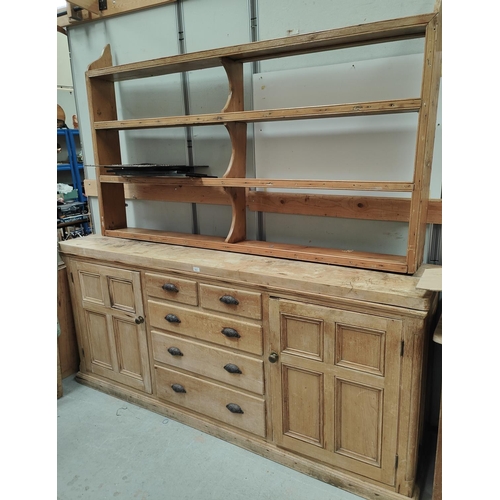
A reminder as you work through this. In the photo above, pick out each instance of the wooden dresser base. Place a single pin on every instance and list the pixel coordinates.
(318, 368)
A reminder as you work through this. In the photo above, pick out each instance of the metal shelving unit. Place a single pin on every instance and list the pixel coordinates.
(76, 170)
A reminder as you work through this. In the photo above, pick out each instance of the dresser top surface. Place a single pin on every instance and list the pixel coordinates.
(333, 281)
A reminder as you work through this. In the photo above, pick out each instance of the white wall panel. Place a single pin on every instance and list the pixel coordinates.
(280, 18)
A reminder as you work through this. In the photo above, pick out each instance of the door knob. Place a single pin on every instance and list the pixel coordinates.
(139, 320)
(273, 357)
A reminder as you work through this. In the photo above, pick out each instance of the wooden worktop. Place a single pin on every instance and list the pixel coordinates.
(333, 281)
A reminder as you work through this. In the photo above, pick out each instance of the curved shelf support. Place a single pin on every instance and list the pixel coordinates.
(238, 229)
(234, 71)
(237, 163)
(237, 131)
(237, 169)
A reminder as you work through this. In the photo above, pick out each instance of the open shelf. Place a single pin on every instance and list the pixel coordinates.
(349, 258)
(234, 188)
(267, 115)
(354, 36)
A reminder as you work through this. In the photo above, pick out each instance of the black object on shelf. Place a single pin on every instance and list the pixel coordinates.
(155, 170)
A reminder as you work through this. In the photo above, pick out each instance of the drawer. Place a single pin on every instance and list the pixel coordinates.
(220, 330)
(212, 400)
(222, 365)
(232, 301)
(172, 288)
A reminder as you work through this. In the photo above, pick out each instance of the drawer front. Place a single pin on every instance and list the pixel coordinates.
(172, 288)
(211, 400)
(219, 364)
(231, 301)
(237, 334)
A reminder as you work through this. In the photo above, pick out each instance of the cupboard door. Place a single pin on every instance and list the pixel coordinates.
(337, 381)
(114, 338)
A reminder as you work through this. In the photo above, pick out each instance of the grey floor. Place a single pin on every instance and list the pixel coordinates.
(111, 449)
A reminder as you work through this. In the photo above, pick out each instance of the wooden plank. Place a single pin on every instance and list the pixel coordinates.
(350, 207)
(435, 212)
(266, 115)
(425, 143)
(102, 102)
(349, 258)
(265, 183)
(90, 5)
(362, 34)
(115, 7)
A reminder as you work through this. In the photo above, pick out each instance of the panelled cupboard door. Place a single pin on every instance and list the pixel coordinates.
(337, 377)
(113, 316)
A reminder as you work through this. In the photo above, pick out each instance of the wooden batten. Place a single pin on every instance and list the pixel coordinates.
(267, 115)
(340, 38)
(425, 144)
(348, 207)
(102, 102)
(113, 9)
(381, 186)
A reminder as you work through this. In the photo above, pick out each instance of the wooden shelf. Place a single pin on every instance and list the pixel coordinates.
(262, 183)
(267, 115)
(234, 188)
(349, 258)
(364, 34)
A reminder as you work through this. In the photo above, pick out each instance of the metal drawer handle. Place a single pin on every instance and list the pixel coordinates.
(232, 368)
(234, 408)
(228, 299)
(230, 332)
(170, 287)
(175, 351)
(178, 388)
(172, 318)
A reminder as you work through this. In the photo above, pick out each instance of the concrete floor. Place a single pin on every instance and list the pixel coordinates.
(111, 449)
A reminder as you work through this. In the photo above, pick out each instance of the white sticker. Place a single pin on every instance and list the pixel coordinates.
(196, 269)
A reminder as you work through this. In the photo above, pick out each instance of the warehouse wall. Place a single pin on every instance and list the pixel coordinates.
(320, 147)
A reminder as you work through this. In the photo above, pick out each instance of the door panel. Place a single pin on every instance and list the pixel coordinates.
(121, 294)
(115, 333)
(128, 348)
(98, 336)
(303, 389)
(360, 349)
(338, 384)
(358, 421)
